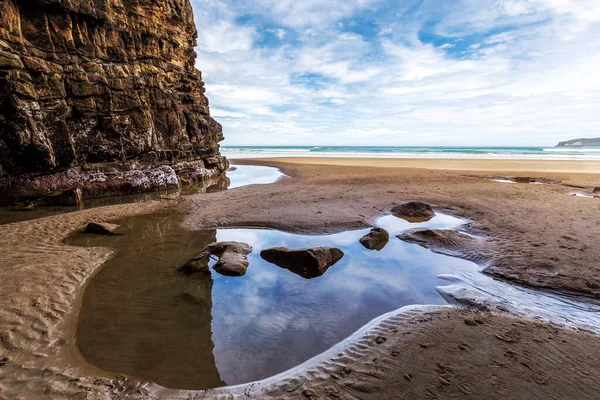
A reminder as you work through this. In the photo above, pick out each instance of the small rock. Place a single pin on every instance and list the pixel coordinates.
(196, 264)
(307, 263)
(524, 179)
(101, 228)
(597, 190)
(413, 211)
(233, 257)
(3, 362)
(376, 239)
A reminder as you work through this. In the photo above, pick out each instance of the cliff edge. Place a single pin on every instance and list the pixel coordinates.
(102, 95)
(580, 143)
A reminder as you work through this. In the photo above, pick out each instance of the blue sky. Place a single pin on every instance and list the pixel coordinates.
(414, 72)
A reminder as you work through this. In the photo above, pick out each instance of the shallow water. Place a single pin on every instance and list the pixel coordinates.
(241, 175)
(142, 317)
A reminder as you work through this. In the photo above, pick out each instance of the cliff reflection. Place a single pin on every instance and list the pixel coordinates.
(140, 316)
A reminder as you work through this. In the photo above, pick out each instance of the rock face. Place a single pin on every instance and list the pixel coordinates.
(593, 142)
(101, 95)
(307, 263)
(413, 211)
(376, 239)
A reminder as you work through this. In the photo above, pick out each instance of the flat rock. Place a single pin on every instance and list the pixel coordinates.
(101, 228)
(376, 239)
(448, 242)
(307, 263)
(413, 211)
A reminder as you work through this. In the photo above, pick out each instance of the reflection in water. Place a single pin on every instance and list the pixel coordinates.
(243, 175)
(142, 317)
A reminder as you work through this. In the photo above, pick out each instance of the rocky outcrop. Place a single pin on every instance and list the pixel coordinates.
(376, 239)
(101, 95)
(583, 142)
(307, 263)
(413, 211)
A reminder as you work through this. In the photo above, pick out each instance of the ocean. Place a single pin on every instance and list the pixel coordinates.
(516, 153)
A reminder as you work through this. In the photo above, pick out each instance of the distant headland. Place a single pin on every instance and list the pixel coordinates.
(580, 143)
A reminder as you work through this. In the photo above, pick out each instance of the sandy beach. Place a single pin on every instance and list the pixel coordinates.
(532, 234)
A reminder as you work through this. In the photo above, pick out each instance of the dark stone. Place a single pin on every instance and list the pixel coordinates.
(414, 211)
(307, 263)
(196, 264)
(376, 239)
(233, 257)
(101, 228)
(524, 179)
(597, 190)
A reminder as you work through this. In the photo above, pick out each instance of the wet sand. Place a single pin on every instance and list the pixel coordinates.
(535, 235)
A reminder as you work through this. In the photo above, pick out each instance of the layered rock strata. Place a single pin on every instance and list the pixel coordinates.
(102, 95)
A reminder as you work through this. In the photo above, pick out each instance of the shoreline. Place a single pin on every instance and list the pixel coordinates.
(317, 200)
(449, 164)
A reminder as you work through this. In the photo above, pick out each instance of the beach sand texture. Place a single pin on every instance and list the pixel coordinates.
(535, 235)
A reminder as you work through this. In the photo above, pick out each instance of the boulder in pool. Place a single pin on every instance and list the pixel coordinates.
(376, 239)
(233, 257)
(101, 228)
(413, 211)
(307, 263)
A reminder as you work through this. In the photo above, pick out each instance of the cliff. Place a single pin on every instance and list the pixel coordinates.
(580, 143)
(102, 95)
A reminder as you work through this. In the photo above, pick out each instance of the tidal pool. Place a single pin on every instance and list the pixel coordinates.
(142, 317)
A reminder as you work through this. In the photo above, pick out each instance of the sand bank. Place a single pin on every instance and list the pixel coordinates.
(535, 234)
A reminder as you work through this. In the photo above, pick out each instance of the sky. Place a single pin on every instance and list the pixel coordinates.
(401, 73)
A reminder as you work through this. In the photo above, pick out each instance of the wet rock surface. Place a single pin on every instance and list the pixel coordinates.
(101, 228)
(376, 239)
(233, 257)
(307, 263)
(101, 95)
(448, 242)
(413, 211)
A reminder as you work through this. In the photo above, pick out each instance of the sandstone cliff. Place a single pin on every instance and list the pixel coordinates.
(101, 95)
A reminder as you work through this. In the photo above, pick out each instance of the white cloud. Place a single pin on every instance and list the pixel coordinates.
(529, 77)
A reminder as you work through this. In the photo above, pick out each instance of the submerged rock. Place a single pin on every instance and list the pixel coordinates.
(233, 257)
(307, 263)
(413, 211)
(376, 239)
(101, 228)
(196, 264)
